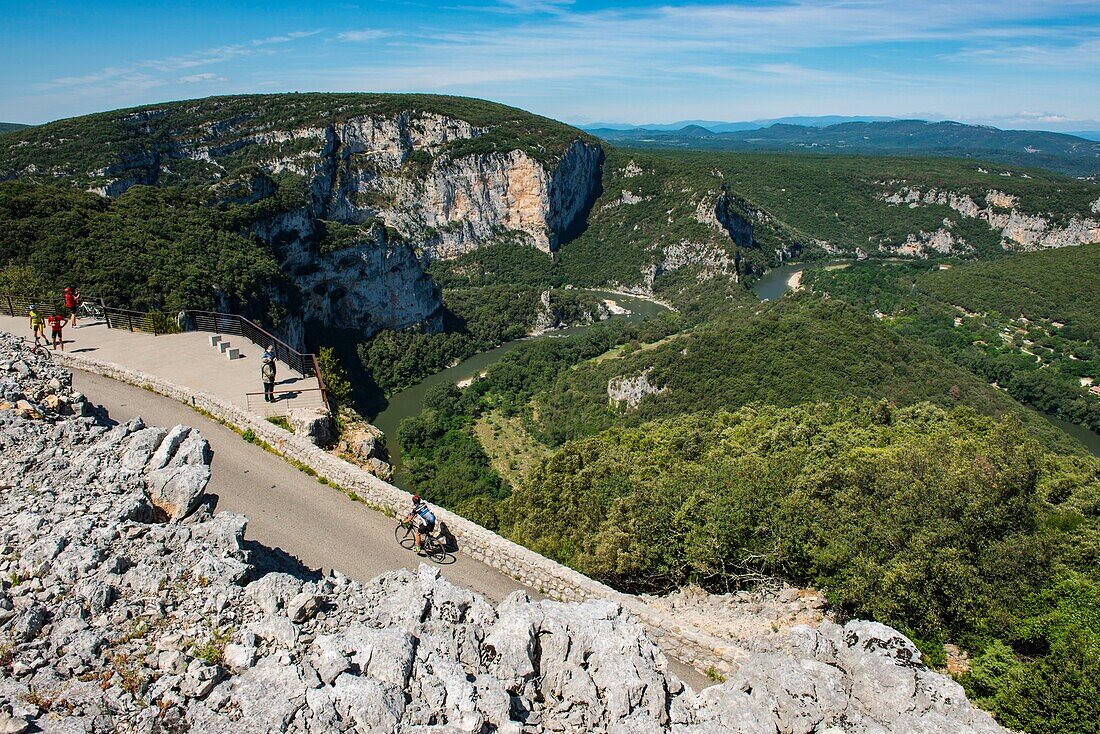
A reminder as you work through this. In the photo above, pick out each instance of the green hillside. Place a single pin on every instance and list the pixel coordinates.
(238, 129)
(7, 127)
(1030, 323)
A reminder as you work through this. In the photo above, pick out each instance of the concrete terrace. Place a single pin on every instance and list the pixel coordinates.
(188, 360)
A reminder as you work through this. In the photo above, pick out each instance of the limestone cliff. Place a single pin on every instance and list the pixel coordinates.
(1019, 231)
(354, 194)
(412, 203)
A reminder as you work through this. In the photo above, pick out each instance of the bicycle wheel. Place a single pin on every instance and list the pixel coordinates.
(435, 550)
(403, 534)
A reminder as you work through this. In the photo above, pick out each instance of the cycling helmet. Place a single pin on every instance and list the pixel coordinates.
(416, 498)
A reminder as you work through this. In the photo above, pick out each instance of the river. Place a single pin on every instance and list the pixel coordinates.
(410, 402)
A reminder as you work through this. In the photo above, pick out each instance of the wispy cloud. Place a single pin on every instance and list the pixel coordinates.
(285, 38)
(169, 64)
(199, 78)
(534, 6)
(663, 58)
(360, 36)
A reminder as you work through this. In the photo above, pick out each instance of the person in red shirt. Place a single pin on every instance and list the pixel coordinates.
(57, 323)
(72, 302)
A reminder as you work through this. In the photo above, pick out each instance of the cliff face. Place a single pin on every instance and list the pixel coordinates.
(412, 203)
(1019, 231)
(379, 191)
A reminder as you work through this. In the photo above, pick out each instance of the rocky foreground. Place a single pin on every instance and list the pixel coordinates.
(127, 605)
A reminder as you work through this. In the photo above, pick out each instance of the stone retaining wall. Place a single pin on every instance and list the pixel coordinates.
(687, 644)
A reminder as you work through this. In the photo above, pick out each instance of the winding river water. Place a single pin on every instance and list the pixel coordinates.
(410, 402)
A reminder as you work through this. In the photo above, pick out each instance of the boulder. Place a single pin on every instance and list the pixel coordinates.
(316, 424)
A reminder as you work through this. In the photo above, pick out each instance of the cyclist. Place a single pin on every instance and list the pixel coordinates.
(38, 324)
(422, 519)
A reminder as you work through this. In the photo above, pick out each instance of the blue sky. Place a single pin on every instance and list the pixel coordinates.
(1009, 63)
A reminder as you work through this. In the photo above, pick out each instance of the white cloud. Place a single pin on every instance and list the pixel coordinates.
(168, 64)
(534, 6)
(285, 38)
(198, 78)
(366, 34)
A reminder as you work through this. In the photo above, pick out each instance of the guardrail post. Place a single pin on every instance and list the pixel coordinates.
(11, 308)
(130, 321)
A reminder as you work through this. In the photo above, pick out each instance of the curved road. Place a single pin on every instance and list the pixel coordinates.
(287, 509)
(319, 526)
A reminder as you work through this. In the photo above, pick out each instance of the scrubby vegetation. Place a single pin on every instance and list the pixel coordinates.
(128, 249)
(1029, 323)
(945, 524)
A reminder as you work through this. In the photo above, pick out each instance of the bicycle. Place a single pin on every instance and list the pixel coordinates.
(42, 350)
(88, 310)
(432, 546)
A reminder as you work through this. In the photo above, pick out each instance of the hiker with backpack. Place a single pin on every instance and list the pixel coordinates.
(267, 374)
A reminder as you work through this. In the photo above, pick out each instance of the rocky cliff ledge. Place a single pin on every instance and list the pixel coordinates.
(126, 604)
(400, 199)
(354, 194)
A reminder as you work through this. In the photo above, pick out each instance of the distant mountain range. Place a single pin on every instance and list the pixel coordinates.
(717, 126)
(1069, 154)
(9, 126)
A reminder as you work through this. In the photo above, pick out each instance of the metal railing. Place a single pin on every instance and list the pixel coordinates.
(149, 322)
(18, 306)
(157, 323)
(285, 400)
(221, 323)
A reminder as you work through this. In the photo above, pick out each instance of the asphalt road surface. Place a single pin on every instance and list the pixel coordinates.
(287, 509)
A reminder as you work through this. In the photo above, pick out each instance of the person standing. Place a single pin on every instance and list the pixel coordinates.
(38, 324)
(267, 373)
(72, 303)
(57, 323)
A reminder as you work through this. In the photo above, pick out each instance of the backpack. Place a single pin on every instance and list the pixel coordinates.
(268, 371)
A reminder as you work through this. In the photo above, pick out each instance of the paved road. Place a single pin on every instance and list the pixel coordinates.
(287, 509)
(319, 526)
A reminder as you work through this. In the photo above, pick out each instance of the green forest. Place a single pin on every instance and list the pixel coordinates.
(1029, 323)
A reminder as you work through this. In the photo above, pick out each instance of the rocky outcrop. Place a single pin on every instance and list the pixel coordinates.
(930, 244)
(735, 218)
(364, 444)
(1019, 231)
(314, 424)
(382, 195)
(628, 390)
(116, 617)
